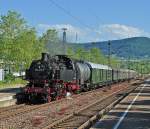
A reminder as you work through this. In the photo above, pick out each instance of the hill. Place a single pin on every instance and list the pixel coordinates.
(136, 47)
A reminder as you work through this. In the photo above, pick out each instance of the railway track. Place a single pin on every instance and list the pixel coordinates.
(21, 109)
(22, 118)
(11, 111)
(78, 118)
(4, 109)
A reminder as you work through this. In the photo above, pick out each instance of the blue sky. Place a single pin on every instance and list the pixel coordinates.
(101, 19)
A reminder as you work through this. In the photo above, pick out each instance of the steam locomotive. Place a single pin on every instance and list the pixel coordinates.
(50, 78)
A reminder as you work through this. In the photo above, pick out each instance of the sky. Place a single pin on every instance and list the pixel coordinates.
(85, 20)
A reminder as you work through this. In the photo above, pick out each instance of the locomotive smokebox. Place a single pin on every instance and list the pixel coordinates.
(44, 57)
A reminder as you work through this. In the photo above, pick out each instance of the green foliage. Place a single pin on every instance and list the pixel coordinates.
(70, 52)
(97, 56)
(4, 84)
(93, 55)
(115, 62)
(18, 42)
(81, 54)
(28, 47)
(51, 42)
(10, 26)
(141, 66)
(49, 37)
(9, 77)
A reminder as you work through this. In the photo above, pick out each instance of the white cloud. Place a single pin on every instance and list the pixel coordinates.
(101, 33)
(118, 31)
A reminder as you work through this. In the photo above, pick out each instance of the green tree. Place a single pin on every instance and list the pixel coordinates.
(70, 52)
(97, 56)
(28, 47)
(51, 41)
(50, 36)
(10, 27)
(80, 54)
(115, 63)
(18, 41)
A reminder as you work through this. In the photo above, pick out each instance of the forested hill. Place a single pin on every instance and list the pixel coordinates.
(136, 47)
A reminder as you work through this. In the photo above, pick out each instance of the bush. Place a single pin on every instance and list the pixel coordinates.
(12, 83)
(9, 77)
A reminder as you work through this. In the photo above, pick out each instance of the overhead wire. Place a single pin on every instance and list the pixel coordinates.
(98, 19)
(70, 14)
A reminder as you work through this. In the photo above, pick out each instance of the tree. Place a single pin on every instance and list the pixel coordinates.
(50, 36)
(18, 42)
(10, 27)
(28, 47)
(115, 63)
(70, 52)
(97, 56)
(51, 41)
(80, 54)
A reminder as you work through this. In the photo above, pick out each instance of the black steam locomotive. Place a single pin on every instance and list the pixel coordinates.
(50, 78)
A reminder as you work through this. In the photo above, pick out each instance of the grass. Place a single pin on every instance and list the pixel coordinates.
(12, 83)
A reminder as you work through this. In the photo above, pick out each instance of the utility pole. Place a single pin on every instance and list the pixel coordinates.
(76, 37)
(64, 40)
(141, 68)
(109, 62)
(109, 53)
(128, 69)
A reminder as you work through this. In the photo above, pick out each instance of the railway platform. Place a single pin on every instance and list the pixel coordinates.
(7, 95)
(133, 112)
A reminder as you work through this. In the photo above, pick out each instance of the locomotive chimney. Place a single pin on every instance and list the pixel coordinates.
(44, 57)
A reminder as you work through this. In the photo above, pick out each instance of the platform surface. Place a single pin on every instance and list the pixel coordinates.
(133, 112)
(8, 93)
